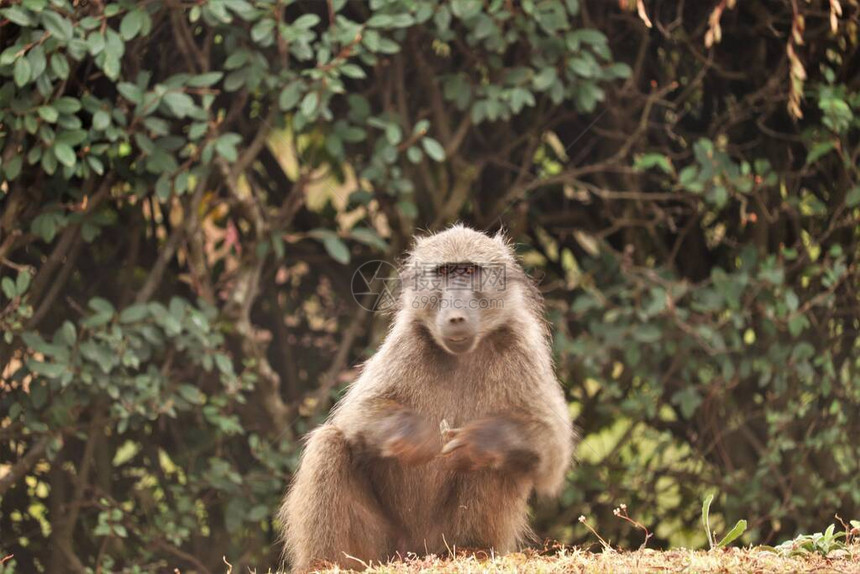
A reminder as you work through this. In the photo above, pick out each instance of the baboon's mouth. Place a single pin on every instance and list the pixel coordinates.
(459, 345)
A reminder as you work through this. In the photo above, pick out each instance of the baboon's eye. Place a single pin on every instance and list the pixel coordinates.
(456, 269)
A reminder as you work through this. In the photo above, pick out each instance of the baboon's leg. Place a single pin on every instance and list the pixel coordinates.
(331, 512)
(491, 512)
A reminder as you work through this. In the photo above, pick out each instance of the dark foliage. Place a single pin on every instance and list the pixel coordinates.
(186, 189)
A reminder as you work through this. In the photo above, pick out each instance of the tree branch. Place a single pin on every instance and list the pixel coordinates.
(23, 466)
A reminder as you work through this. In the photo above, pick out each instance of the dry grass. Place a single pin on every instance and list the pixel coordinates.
(577, 560)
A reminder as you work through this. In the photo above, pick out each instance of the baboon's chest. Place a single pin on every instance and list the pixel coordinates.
(465, 395)
(432, 495)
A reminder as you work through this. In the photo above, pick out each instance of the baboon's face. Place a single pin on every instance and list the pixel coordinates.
(460, 302)
(458, 285)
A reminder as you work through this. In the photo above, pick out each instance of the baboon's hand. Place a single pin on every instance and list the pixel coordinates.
(497, 443)
(408, 437)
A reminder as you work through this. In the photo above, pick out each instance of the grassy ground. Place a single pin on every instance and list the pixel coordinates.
(575, 560)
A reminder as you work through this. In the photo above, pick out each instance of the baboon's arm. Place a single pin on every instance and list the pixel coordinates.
(539, 444)
(380, 427)
(553, 435)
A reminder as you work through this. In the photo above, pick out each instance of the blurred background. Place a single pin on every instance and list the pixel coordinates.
(187, 188)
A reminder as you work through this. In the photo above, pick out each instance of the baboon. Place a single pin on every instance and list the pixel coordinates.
(451, 425)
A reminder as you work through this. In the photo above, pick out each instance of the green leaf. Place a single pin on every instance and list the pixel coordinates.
(647, 333)
(125, 453)
(353, 71)
(290, 96)
(545, 78)
(369, 237)
(649, 160)
(22, 283)
(69, 105)
(38, 62)
(101, 120)
(179, 103)
(407, 208)
(8, 287)
(257, 513)
(60, 66)
(65, 154)
(19, 16)
(739, 528)
(688, 176)
(134, 313)
(582, 67)
(420, 127)
(130, 92)
(589, 36)
(262, 32)
(131, 24)
(13, 167)
(433, 148)
(95, 43)
(380, 21)
(442, 18)
(796, 324)
(393, 133)
(414, 154)
(96, 164)
(48, 113)
(224, 364)
(68, 333)
(9, 55)
(466, 9)
(101, 305)
(50, 370)
(236, 60)
(21, 72)
(819, 150)
(57, 25)
(162, 187)
(309, 104)
(852, 198)
(332, 243)
(226, 146)
(688, 399)
(111, 66)
(337, 249)
(306, 21)
(386, 46)
(192, 394)
(619, 70)
(45, 226)
(520, 97)
(205, 80)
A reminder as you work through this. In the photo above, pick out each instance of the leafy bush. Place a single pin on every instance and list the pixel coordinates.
(186, 190)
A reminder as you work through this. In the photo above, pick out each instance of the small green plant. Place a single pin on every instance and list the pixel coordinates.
(738, 529)
(823, 543)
